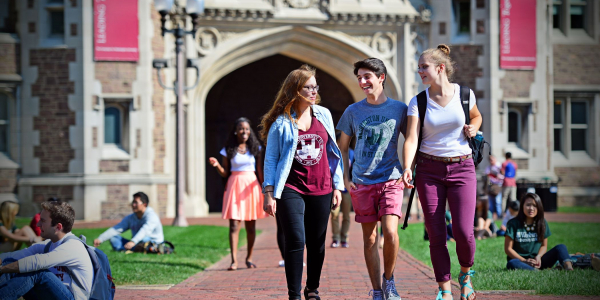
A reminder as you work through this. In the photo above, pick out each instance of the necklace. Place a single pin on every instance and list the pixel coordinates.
(242, 151)
(530, 227)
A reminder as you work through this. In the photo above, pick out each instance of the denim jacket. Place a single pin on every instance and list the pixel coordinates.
(281, 147)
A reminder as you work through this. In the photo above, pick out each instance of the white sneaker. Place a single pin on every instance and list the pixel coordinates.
(282, 263)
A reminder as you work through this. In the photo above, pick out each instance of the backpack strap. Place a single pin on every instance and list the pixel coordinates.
(465, 97)
(422, 105)
(71, 274)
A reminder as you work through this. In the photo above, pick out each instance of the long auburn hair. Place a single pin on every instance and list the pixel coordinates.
(232, 143)
(287, 98)
(538, 219)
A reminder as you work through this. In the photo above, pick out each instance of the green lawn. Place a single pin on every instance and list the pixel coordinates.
(196, 248)
(579, 209)
(490, 261)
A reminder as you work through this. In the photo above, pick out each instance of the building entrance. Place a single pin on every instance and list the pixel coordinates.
(249, 92)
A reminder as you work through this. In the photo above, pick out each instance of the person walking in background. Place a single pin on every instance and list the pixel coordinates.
(494, 187)
(303, 176)
(526, 239)
(11, 237)
(376, 187)
(509, 184)
(445, 168)
(340, 234)
(242, 200)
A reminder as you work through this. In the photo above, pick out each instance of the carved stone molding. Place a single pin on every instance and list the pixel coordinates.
(302, 3)
(384, 43)
(207, 39)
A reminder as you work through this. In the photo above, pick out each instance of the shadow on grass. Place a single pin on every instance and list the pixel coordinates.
(158, 263)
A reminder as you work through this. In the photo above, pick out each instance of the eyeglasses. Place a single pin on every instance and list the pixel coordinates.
(312, 88)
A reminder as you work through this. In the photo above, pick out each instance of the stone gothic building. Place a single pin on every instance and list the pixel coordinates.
(93, 131)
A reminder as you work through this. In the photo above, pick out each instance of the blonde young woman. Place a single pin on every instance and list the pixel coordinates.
(303, 176)
(445, 168)
(12, 238)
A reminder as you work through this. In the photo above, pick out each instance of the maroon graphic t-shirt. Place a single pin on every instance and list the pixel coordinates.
(310, 173)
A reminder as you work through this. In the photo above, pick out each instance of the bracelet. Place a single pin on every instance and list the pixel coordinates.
(408, 170)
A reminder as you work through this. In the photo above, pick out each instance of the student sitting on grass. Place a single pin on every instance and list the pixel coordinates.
(11, 237)
(511, 213)
(144, 224)
(483, 226)
(526, 239)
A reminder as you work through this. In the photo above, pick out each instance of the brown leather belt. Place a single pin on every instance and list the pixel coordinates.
(446, 159)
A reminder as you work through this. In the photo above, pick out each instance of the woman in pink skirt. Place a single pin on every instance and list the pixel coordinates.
(243, 198)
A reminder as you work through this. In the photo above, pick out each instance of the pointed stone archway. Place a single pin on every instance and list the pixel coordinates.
(334, 53)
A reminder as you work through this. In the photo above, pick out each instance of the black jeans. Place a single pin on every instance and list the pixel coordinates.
(304, 220)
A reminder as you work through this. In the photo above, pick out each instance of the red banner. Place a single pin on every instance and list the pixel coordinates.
(116, 30)
(517, 34)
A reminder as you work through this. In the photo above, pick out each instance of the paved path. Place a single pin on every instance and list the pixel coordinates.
(344, 274)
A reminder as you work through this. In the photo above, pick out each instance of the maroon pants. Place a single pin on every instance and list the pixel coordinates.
(437, 181)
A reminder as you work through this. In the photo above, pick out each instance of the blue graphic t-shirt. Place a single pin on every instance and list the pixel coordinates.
(376, 128)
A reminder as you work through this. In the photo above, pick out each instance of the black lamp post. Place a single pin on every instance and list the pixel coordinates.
(177, 15)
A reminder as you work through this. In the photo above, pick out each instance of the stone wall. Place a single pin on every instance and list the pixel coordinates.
(10, 59)
(158, 105)
(118, 202)
(578, 177)
(41, 193)
(55, 117)
(116, 77)
(516, 83)
(112, 166)
(162, 197)
(576, 64)
(8, 180)
(466, 66)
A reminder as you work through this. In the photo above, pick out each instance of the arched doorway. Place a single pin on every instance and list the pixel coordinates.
(249, 91)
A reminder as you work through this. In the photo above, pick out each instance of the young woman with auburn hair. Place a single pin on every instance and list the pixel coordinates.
(303, 175)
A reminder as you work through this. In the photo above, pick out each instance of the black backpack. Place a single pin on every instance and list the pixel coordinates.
(476, 143)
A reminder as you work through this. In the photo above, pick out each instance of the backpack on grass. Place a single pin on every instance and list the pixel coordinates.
(165, 247)
(103, 287)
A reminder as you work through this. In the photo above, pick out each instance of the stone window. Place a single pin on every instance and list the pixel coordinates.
(572, 17)
(518, 125)
(462, 16)
(4, 123)
(116, 128)
(572, 116)
(8, 16)
(55, 10)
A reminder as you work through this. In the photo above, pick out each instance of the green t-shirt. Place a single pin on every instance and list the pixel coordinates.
(525, 243)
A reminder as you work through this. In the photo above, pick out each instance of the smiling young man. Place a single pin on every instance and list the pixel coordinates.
(376, 188)
(33, 274)
(144, 224)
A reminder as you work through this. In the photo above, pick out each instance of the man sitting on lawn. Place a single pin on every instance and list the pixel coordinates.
(144, 224)
(64, 272)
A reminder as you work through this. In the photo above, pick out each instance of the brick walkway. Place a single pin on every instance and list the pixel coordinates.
(344, 274)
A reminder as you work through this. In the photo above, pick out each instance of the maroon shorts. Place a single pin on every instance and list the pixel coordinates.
(373, 201)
